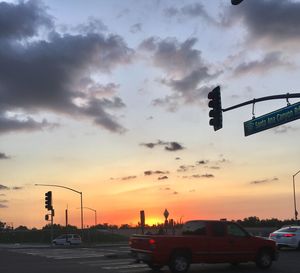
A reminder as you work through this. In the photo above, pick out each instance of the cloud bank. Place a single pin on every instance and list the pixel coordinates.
(54, 72)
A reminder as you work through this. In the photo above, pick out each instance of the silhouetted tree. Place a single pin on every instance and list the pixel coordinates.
(21, 228)
(125, 226)
(2, 225)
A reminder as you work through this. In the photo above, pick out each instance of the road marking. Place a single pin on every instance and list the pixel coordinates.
(125, 266)
(62, 254)
(75, 257)
(122, 265)
(108, 262)
(134, 270)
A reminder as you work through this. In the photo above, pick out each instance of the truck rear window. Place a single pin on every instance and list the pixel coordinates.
(218, 229)
(194, 228)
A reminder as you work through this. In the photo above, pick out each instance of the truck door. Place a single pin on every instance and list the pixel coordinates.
(220, 247)
(241, 244)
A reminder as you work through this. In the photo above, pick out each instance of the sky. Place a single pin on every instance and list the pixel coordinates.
(109, 98)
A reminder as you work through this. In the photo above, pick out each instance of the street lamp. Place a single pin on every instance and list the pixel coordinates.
(95, 211)
(295, 207)
(79, 192)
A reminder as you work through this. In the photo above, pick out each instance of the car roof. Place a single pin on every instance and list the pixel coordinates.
(290, 227)
(284, 228)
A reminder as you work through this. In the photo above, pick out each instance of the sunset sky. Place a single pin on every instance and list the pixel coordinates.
(110, 98)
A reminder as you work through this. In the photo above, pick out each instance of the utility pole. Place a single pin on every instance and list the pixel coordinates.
(79, 192)
(67, 217)
(294, 191)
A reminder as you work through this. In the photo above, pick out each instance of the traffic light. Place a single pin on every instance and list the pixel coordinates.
(48, 200)
(236, 2)
(216, 112)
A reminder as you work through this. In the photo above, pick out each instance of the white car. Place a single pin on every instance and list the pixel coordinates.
(67, 239)
(287, 237)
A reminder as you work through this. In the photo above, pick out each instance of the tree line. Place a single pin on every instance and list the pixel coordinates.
(252, 221)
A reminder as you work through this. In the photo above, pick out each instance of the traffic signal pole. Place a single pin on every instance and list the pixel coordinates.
(79, 192)
(215, 113)
(48, 206)
(52, 214)
(283, 96)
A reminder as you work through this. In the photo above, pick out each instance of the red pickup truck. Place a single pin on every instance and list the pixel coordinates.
(203, 241)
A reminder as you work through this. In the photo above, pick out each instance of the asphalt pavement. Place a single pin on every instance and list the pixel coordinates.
(114, 259)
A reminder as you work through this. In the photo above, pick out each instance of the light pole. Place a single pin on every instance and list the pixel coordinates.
(295, 207)
(95, 211)
(79, 192)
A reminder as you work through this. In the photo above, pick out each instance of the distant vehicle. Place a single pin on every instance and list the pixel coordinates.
(203, 241)
(67, 239)
(287, 237)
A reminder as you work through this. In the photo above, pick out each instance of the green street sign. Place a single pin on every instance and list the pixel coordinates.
(273, 119)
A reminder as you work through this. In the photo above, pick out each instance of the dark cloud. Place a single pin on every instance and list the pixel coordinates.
(185, 168)
(2, 187)
(155, 172)
(177, 158)
(268, 20)
(136, 28)
(202, 162)
(94, 25)
(186, 72)
(55, 75)
(174, 146)
(130, 177)
(223, 160)
(2, 194)
(4, 156)
(207, 175)
(283, 129)
(171, 11)
(270, 61)
(2, 206)
(17, 188)
(166, 189)
(27, 124)
(195, 10)
(255, 182)
(199, 176)
(168, 146)
(215, 167)
(149, 145)
(163, 177)
(175, 192)
(23, 19)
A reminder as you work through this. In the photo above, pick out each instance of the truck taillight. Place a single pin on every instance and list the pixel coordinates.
(152, 243)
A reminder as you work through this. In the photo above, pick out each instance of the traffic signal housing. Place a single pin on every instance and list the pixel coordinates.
(236, 2)
(216, 112)
(48, 200)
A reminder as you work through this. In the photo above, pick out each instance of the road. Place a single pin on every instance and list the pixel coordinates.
(114, 259)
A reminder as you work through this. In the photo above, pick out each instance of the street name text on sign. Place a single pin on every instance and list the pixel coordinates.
(273, 119)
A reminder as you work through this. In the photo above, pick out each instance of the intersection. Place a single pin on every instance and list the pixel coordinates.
(113, 259)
